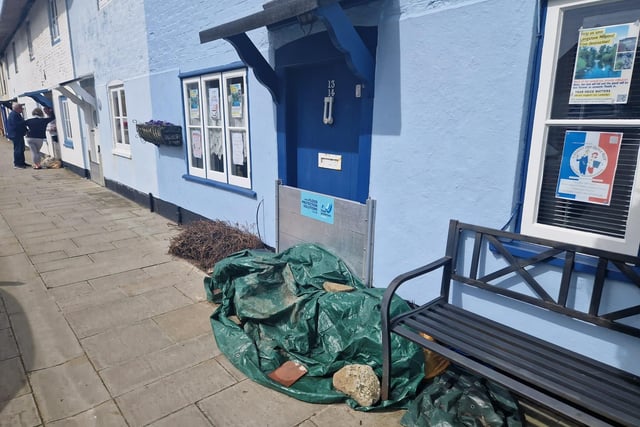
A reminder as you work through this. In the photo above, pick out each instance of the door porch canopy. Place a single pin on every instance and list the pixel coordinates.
(281, 12)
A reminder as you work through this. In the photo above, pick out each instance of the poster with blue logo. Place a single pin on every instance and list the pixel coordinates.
(588, 168)
(604, 64)
(317, 207)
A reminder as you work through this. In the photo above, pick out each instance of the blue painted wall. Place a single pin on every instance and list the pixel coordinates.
(175, 48)
(450, 104)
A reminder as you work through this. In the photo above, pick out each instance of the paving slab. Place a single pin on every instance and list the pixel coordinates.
(4, 318)
(118, 280)
(101, 269)
(226, 364)
(47, 257)
(118, 345)
(20, 411)
(93, 320)
(17, 268)
(104, 415)
(44, 337)
(64, 263)
(151, 283)
(80, 296)
(8, 346)
(151, 367)
(10, 246)
(155, 401)
(267, 407)
(190, 416)
(351, 418)
(68, 389)
(187, 322)
(14, 380)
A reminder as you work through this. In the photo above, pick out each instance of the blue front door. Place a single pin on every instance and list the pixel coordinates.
(328, 130)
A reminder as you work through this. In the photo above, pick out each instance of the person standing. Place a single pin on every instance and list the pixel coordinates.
(36, 134)
(16, 130)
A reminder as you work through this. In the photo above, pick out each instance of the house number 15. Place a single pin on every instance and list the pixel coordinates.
(331, 87)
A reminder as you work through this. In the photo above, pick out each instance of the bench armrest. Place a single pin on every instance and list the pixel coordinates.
(445, 261)
(385, 306)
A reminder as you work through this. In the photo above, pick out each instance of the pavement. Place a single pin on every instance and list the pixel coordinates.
(100, 326)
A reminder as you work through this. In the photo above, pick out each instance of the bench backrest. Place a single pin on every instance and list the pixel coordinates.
(527, 260)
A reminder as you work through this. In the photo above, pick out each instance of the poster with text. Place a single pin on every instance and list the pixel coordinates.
(604, 64)
(237, 148)
(589, 163)
(194, 104)
(236, 100)
(196, 143)
(214, 104)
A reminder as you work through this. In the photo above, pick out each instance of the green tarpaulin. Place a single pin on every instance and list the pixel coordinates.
(285, 314)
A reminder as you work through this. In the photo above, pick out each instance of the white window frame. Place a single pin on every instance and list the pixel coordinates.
(226, 128)
(119, 121)
(541, 124)
(54, 28)
(65, 119)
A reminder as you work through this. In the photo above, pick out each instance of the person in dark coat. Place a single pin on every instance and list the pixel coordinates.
(16, 130)
(36, 134)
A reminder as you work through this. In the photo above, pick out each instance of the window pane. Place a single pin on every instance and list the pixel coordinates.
(216, 150)
(236, 101)
(193, 99)
(195, 141)
(125, 130)
(114, 103)
(123, 102)
(601, 219)
(213, 107)
(619, 12)
(238, 153)
(118, 131)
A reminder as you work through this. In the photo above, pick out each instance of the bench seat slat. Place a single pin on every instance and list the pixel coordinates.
(604, 372)
(535, 377)
(521, 353)
(571, 378)
(562, 370)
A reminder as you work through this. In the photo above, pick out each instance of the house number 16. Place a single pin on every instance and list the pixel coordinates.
(331, 88)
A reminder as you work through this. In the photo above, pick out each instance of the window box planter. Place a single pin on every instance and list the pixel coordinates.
(160, 134)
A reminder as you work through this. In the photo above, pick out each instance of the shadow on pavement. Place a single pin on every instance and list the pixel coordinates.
(13, 379)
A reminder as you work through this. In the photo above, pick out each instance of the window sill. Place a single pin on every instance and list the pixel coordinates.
(223, 186)
(121, 153)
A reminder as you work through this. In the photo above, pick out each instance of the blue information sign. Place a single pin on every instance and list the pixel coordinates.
(317, 207)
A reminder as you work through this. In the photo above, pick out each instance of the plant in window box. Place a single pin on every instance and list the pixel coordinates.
(159, 132)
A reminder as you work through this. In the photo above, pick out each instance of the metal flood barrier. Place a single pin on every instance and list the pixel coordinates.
(347, 230)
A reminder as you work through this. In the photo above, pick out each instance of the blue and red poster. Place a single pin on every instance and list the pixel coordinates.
(588, 168)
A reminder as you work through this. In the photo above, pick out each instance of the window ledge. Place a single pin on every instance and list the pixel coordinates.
(121, 153)
(223, 186)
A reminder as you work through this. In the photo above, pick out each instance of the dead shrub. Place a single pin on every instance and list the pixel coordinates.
(204, 242)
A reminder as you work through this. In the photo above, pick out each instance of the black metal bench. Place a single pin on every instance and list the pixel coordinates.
(577, 387)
